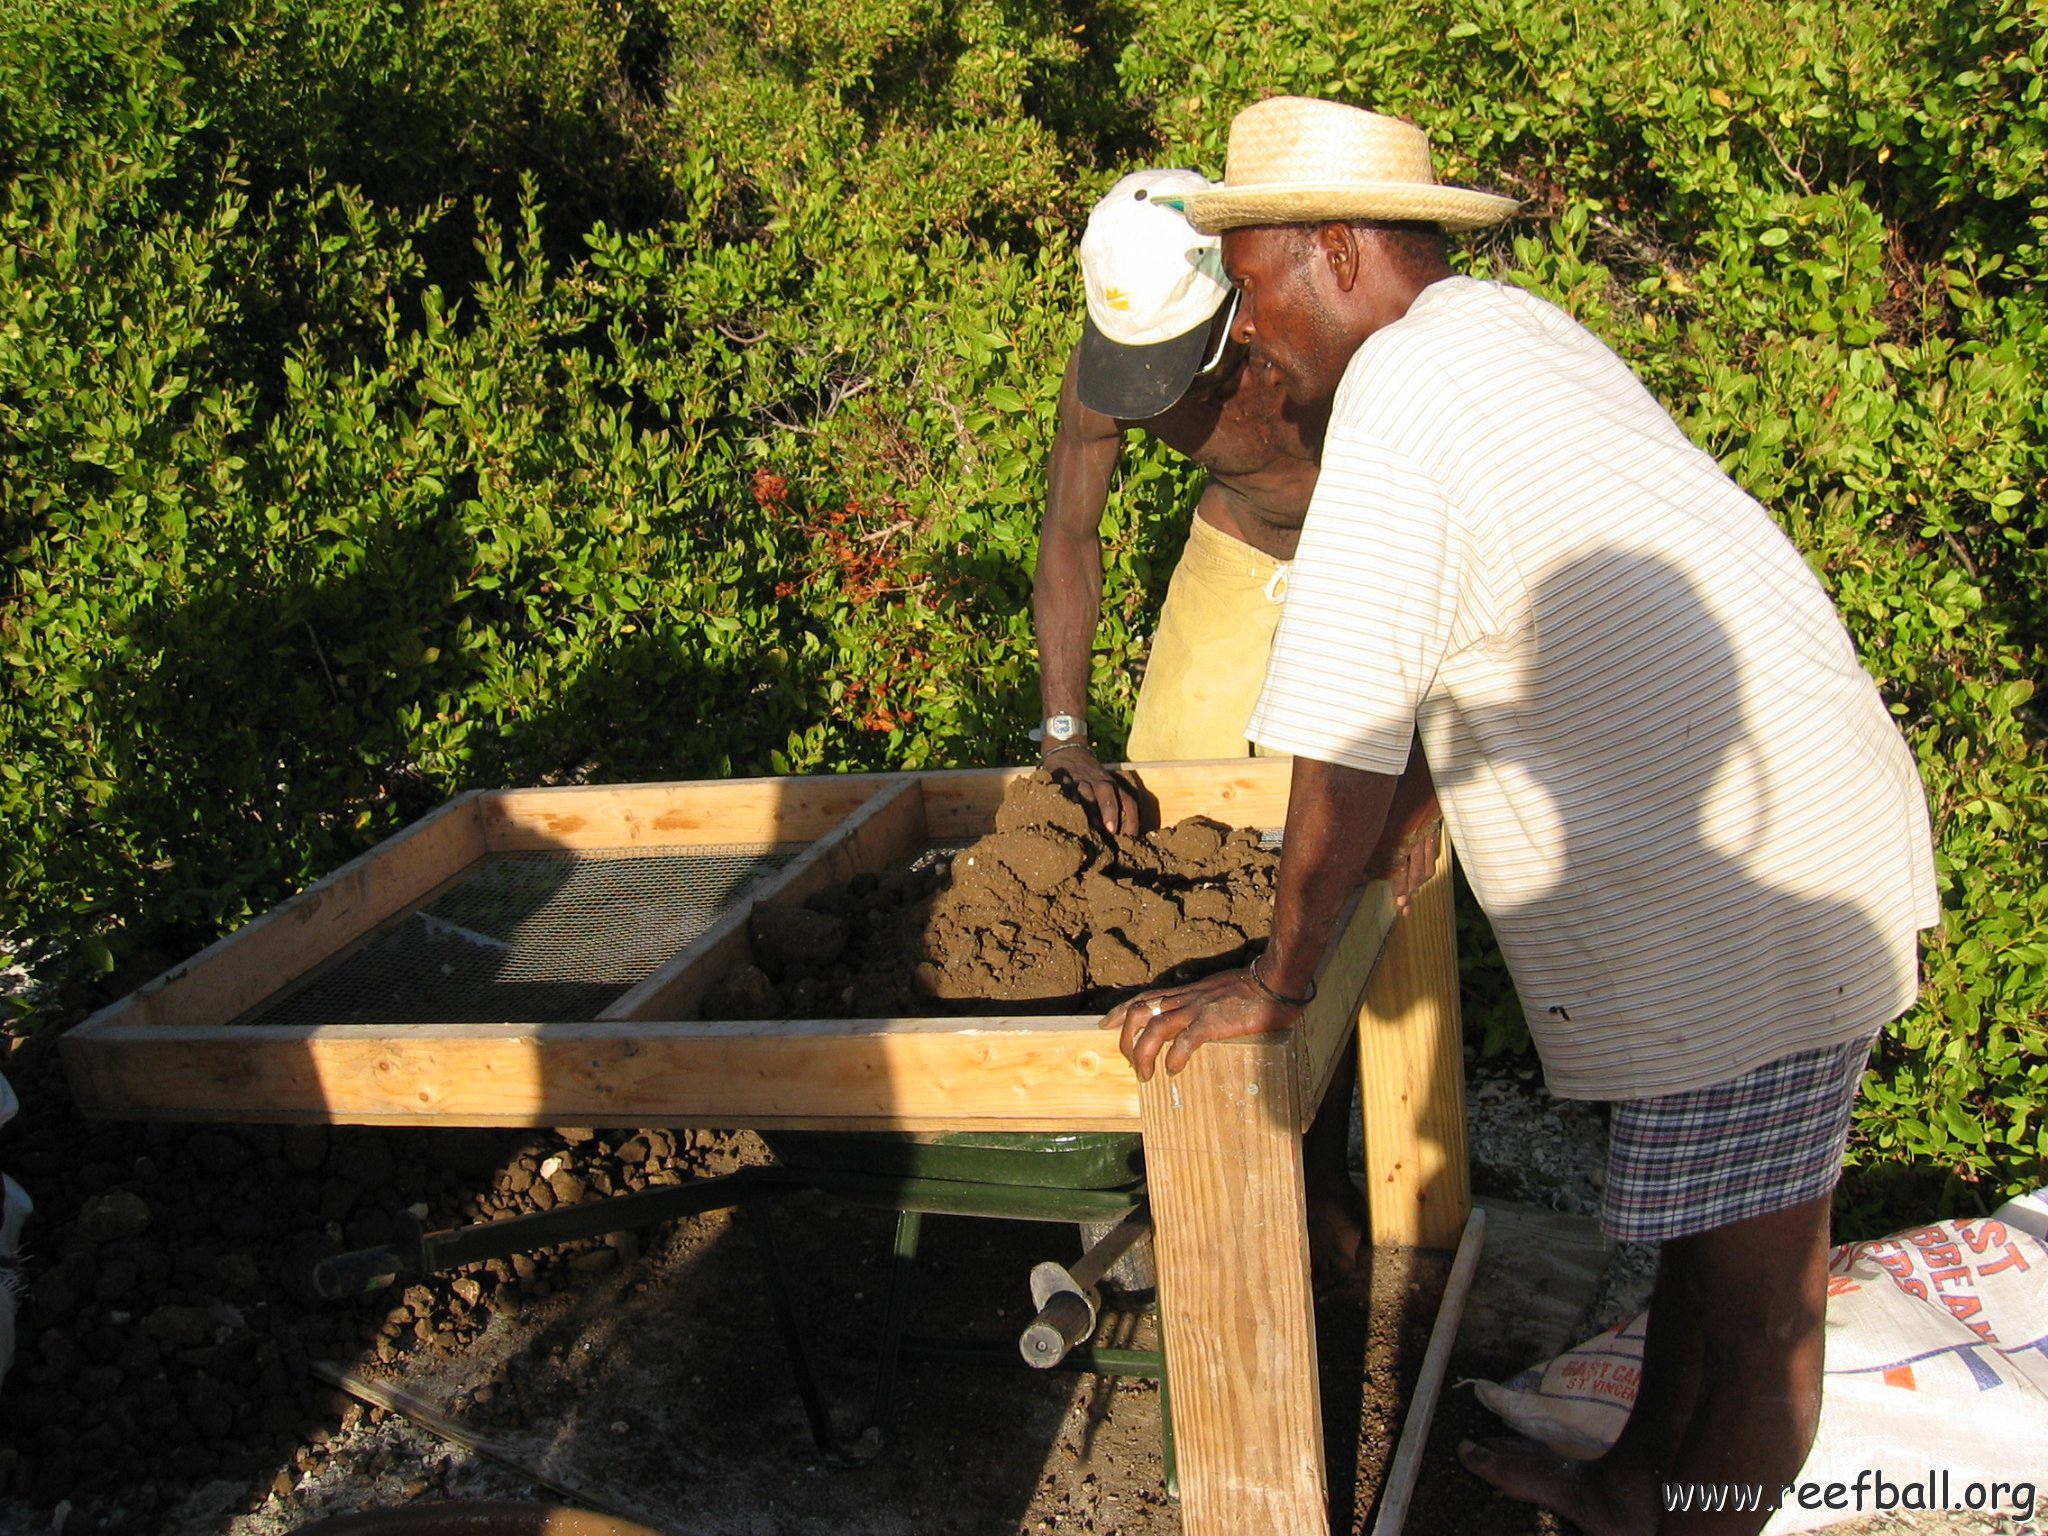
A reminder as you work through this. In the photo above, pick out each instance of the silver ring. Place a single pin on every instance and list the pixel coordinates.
(1156, 1006)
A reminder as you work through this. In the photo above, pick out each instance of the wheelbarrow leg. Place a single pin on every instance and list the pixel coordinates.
(761, 1221)
(902, 1270)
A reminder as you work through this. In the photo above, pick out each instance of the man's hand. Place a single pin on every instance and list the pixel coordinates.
(1177, 1019)
(1107, 798)
(1335, 817)
(1405, 855)
(1407, 862)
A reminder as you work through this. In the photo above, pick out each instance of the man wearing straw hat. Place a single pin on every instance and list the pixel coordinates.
(1682, 802)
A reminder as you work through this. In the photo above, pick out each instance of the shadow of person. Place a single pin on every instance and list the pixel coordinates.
(1678, 870)
(1699, 853)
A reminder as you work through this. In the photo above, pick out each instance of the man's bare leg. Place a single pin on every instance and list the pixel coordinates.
(1336, 1207)
(1730, 1392)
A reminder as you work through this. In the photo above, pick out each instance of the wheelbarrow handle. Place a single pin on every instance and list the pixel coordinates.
(363, 1270)
(1063, 1322)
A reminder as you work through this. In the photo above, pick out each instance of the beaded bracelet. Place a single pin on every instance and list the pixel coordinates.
(1062, 747)
(1259, 981)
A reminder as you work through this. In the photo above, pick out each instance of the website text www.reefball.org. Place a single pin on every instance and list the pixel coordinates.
(1870, 1493)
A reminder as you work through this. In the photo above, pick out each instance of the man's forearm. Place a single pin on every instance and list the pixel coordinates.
(1066, 606)
(1334, 819)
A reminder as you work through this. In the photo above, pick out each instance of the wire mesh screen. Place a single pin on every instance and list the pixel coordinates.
(531, 938)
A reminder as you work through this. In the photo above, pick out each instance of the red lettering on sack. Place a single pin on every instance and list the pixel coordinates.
(1963, 1309)
(2013, 1256)
(1900, 1267)
(1947, 1256)
(1989, 1234)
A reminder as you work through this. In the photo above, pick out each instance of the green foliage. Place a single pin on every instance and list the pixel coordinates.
(399, 398)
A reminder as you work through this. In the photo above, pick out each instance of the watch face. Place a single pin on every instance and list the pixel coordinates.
(1061, 728)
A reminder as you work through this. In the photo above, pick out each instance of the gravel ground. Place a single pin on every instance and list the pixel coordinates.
(162, 1380)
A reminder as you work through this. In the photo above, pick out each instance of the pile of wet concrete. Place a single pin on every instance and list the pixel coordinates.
(1047, 911)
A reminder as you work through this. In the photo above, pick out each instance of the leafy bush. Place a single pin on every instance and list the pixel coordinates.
(395, 399)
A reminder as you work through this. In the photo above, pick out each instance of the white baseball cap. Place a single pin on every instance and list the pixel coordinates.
(1154, 285)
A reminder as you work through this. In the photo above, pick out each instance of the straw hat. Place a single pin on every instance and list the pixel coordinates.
(1296, 160)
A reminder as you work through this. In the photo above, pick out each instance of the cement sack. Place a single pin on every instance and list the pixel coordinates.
(1936, 1393)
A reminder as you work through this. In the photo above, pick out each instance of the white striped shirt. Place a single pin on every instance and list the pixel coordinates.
(1700, 839)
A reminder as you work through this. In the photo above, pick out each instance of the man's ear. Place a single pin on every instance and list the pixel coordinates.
(1337, 246)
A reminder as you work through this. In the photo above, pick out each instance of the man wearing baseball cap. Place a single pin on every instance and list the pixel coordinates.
(1677, 794)
(1156, 355)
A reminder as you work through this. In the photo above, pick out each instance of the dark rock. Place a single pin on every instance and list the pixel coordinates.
(182, 1327)
(110, 1217)
(139, 1356)
(368, 1227)
(245, 1223)
(55, 1295)
(213, 1415)
(238, 1272)
(745, 992)
(567, 1186)
(217, 1152)
(470, 1153)
(98, 1175)
(366, 1159)
(305, 1148)
(338, 1197)
(58, 1354)
(96, 1341)
(117, 1281)
(99, 1382)
(785, 936)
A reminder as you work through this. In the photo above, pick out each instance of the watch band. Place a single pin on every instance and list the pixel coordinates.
(1061, 729)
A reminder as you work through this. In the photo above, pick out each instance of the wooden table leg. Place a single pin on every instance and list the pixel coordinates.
(1411, 1069)
(1223, 1168)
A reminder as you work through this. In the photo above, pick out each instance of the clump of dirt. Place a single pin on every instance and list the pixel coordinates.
(1047, 912)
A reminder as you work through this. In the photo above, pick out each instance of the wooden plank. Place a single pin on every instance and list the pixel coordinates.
(1411, 1069)
(888, 830)
(1036, 1073)
(427, 1411)
(678, 815)
(1241, 791)
(1330, 1022)
(236, 972)
(1223, 1172)
(1539, 1275)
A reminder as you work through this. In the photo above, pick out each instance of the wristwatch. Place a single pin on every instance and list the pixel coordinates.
(1058, 730)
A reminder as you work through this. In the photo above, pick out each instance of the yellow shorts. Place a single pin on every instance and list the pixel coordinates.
(1208, 657)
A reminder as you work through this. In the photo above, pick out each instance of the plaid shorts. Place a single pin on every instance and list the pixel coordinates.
(1762, 1142)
